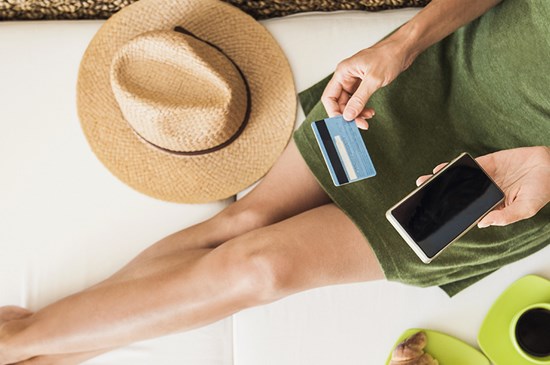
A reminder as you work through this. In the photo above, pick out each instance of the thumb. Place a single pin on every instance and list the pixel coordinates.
(357, 102)
(514, 212)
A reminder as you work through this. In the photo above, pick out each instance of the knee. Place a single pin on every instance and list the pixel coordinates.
(260, 274)
(241, 218)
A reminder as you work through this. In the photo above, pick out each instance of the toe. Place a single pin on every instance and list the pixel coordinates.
(10, 313)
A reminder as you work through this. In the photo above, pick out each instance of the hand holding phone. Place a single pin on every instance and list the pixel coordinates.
(445, 207)
(523, 174)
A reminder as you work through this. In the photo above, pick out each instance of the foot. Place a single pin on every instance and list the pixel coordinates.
(11, 313)
(8, 314)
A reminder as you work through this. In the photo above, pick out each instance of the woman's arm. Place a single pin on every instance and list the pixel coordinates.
(436, 21)
(359, 76)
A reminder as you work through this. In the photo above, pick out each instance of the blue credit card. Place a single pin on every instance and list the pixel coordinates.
(343, 149)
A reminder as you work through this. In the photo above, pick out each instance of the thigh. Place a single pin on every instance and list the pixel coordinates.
(318, 247)
(289, 188)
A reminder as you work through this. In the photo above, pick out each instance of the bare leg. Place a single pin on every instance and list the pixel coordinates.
(288, 189)
(318, 247)
(253, 268)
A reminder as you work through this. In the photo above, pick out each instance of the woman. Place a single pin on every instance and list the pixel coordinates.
(286, 235)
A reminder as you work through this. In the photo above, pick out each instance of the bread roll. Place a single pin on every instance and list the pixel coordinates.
(411, 352)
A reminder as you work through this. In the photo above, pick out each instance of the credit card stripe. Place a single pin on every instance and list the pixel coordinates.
(331, 152)
(345, 157)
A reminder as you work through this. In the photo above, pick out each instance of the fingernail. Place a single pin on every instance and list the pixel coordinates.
(370, 115)
(483, 225)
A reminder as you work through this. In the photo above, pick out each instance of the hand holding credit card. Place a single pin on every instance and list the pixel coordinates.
(343, 149)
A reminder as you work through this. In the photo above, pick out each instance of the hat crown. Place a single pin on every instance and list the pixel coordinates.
(178, 92)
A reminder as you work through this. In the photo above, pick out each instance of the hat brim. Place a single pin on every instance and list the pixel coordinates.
(201, 178)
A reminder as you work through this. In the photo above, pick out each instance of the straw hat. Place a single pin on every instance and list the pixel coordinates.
(186, 100)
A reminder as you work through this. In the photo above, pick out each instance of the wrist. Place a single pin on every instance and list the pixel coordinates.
(408, 36)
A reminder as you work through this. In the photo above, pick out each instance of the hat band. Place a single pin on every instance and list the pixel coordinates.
(243, 123)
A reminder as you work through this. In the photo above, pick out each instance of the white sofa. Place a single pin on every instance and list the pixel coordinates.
(66, 222)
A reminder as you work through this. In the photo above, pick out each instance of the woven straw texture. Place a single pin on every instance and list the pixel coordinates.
(177, 92)
(106, 114)
(259, 9)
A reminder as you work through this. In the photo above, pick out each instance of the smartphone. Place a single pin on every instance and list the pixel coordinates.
(445, 207)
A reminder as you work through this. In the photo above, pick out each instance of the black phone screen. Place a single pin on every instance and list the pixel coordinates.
(447, 205)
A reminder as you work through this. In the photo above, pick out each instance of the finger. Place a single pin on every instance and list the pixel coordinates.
(330, 97)
(361, 120)
(357, 102)
(367, 113)
(487, 163)
(514, 212)
(342, 101)
(439, 167)
(361, 123)
(422, 179)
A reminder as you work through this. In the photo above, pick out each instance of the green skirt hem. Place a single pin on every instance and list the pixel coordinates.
(308, 150)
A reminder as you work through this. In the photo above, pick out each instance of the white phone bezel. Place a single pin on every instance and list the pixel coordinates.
(410, 241)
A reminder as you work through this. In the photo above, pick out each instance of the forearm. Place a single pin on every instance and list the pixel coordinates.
(436, 21)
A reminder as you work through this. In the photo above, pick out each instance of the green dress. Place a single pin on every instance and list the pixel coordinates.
(482, 89)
